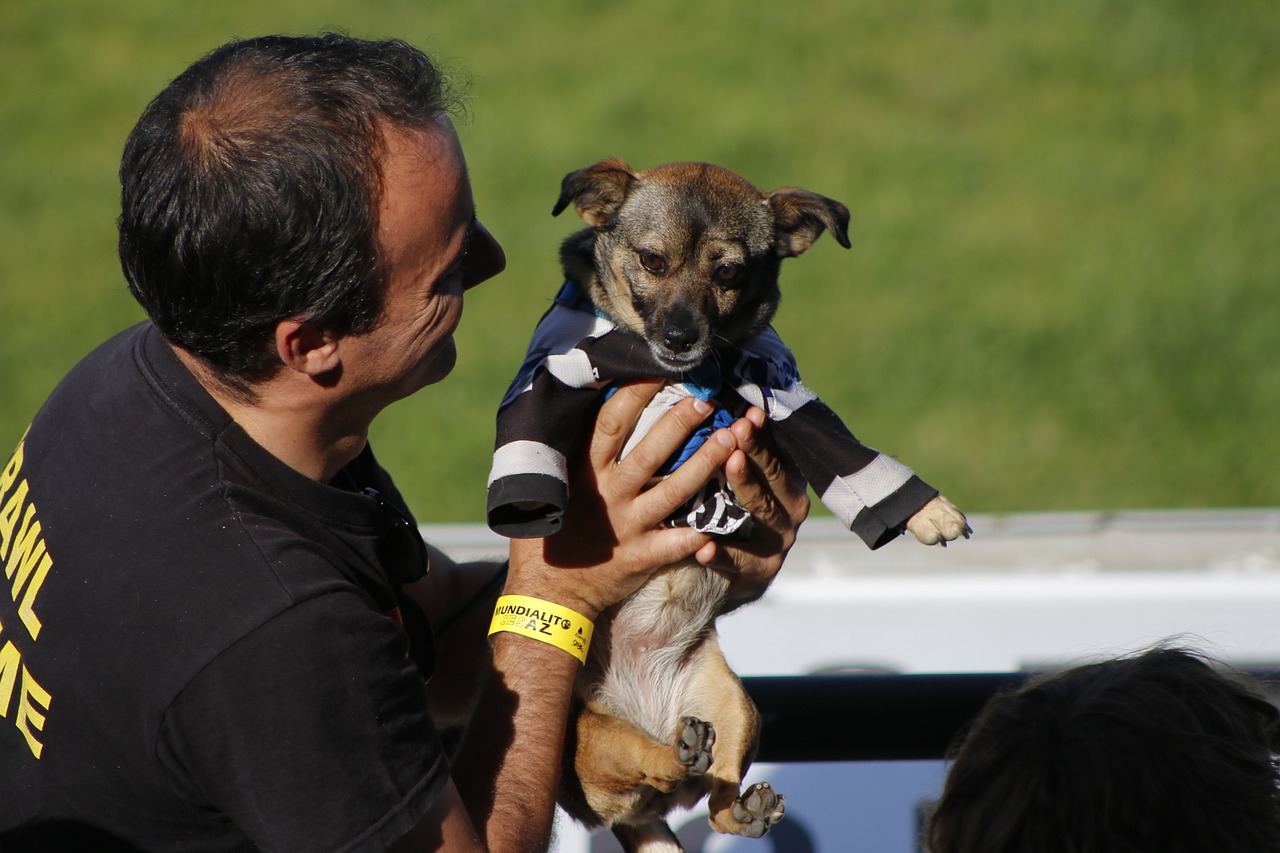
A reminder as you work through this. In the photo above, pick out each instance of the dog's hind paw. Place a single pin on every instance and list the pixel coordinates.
(759, 808)
(693, 744)
(938, 522)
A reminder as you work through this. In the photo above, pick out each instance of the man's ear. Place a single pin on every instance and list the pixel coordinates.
(305, 348)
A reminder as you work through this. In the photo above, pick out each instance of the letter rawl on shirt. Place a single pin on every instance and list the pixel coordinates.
(26, 563)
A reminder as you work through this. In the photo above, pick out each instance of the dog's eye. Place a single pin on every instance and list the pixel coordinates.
(653, 262)
(727, 273)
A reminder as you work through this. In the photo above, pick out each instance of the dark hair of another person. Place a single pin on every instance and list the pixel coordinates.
(1156, 753)
(250, 189)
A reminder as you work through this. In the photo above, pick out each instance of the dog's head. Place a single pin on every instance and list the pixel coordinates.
(687, 254)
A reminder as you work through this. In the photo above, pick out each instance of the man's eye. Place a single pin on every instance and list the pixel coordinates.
(653, 262)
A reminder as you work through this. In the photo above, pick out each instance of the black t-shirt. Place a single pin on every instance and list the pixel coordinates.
(201, 649)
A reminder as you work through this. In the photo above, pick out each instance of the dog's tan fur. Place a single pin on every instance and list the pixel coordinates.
(686, 255)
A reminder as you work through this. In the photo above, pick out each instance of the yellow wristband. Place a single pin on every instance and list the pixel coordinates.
(541, 620)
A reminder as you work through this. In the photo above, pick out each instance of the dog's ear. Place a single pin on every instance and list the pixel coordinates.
(799, 216)
(598, 191)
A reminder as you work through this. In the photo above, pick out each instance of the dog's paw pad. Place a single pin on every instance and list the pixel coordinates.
(759, 808)
(693, 744)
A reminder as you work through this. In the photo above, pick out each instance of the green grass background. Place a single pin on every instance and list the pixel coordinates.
(1063, 290)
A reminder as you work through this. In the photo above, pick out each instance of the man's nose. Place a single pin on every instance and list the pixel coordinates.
(485, 260)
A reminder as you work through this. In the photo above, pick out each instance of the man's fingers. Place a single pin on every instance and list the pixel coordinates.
(684, 482)
(759, 478)
(748, 486)
(765, 458)
(676, 544)
(662, 440)
(616, 419)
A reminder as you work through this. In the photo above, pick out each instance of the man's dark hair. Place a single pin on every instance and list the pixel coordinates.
(1157, 753)
(250, 189)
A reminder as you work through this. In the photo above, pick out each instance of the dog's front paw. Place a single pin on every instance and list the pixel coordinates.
(759, 808)
(694, 740)
(938, 522)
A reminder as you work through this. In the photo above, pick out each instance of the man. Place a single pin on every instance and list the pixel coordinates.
(216, 637)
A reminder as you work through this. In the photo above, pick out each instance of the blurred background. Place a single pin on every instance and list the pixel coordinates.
(1062, 300)
(1062, 292)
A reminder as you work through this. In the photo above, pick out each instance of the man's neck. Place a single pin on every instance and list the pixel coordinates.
(291, 417)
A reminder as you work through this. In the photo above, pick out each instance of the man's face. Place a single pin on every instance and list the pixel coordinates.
(433, 249)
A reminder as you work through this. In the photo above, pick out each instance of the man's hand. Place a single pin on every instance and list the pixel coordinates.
(775, 497)
(612, 539)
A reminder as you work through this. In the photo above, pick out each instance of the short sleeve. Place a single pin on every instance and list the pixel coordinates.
(311, 733)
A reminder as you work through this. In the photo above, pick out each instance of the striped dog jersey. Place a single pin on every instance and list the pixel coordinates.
(576, 356)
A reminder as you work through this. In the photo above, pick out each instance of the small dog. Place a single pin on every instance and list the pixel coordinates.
(685, 256)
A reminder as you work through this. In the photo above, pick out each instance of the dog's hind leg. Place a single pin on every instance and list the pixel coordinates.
(622, 770)
(721, 697)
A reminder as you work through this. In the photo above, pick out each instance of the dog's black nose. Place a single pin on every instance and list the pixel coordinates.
(679, 337)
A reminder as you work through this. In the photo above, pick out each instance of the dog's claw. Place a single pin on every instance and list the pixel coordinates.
(693, 744)
(759, 808)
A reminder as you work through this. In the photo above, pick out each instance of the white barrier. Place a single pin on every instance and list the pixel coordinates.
(1026, 592)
